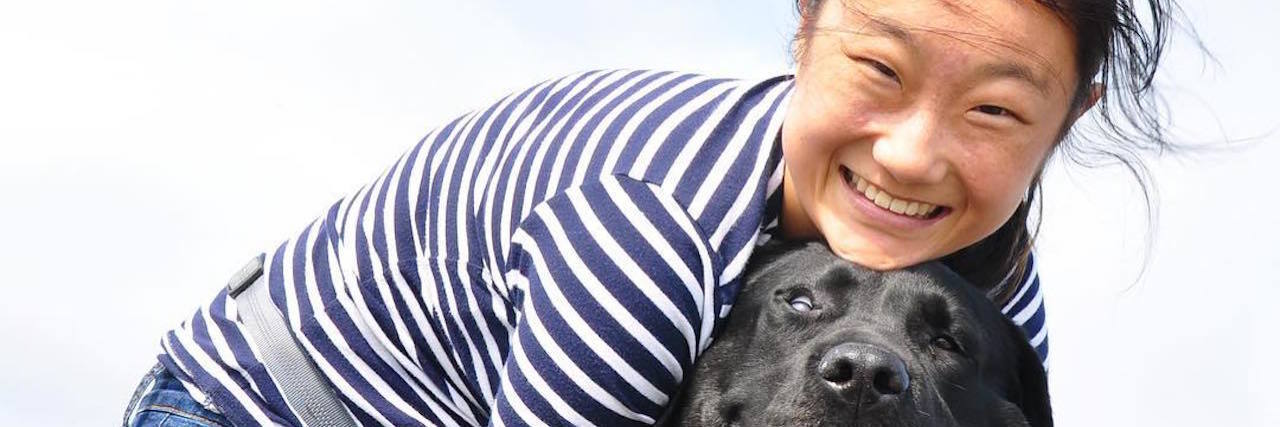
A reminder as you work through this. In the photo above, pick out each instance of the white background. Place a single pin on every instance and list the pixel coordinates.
(148, 148)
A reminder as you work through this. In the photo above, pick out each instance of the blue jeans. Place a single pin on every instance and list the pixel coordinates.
(160, 400)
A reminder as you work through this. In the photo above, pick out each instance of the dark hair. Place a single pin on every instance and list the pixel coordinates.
(1119, 45)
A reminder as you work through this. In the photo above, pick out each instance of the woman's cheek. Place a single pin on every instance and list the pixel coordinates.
(815, 133)
(837, 127)
(1000, 166)
(995, 192)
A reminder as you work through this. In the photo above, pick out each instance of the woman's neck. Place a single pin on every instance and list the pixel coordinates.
(796, 223)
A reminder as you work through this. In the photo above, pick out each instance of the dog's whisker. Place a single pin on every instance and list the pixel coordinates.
(937, 394)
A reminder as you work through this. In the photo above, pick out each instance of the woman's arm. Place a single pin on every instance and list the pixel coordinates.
(615, 286)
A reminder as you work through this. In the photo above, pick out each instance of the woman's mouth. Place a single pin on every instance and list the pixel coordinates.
(888, 202)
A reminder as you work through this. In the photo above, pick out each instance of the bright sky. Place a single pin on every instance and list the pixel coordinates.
(148, 148)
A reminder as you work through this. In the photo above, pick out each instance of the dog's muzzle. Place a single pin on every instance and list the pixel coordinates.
(863, 374)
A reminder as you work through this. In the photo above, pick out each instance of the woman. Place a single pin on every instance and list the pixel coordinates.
(564, 255)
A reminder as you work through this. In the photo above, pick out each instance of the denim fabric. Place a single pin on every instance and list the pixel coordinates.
(160, 400)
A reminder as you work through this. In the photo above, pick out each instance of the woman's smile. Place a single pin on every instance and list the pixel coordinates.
(882, 210)
(885, 200)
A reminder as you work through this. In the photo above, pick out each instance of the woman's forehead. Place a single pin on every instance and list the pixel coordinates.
(1018, 39)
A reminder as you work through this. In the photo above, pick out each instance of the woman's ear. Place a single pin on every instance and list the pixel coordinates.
(1090, 99)
(807, 10)
(806, 6)
(1095, 94)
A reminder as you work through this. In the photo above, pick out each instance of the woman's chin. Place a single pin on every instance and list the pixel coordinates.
(878, 258)
(875, 249)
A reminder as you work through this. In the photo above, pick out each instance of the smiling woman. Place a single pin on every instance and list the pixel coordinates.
(898, 104)
(919, 130)
(564, 255)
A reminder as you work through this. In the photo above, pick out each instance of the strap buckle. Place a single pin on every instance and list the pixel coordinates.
(246, 276)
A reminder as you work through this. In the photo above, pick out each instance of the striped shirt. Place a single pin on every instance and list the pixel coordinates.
(561, 256)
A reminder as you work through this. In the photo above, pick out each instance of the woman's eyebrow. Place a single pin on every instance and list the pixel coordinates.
(888, 29)
(1011, 70)
(1016, 71)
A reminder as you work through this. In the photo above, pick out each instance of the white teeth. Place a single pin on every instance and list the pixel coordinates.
(898, 206)
(882, 199)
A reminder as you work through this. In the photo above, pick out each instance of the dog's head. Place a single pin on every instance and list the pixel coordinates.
(815, 340)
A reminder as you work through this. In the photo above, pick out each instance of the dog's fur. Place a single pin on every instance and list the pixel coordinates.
(913, 347)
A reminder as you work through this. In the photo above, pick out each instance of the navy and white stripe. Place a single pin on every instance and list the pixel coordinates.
(1026, 309)
(561, 256)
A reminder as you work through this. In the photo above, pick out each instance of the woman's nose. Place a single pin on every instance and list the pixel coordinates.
(913, 151)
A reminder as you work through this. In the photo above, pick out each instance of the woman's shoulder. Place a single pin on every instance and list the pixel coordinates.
(647, 91)
(708, 142)
(625, 73)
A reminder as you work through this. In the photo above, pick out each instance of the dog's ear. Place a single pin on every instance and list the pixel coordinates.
(1031, 387)
(771, 254)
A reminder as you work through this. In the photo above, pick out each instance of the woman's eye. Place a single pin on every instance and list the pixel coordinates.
(994, 110)
(883, 69)
(946, 343)
(801, 303)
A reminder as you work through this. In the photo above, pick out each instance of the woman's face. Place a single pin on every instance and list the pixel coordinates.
(916, 127)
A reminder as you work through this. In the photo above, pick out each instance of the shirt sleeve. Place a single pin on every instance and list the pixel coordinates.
(1026, 309)
(615, 284)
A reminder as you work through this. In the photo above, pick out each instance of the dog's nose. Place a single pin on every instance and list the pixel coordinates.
(863, 372)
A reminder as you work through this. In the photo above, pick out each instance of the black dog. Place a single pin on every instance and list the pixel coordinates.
(816, 340)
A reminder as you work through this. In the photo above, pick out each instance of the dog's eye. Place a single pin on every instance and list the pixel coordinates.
(946, 343)
(801, 303)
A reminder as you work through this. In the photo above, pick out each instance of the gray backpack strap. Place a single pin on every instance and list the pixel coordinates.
(299, 380)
